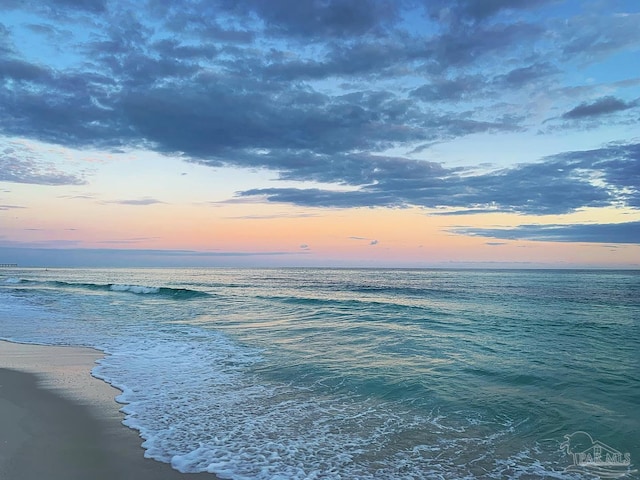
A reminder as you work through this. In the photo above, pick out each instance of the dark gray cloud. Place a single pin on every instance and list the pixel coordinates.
(21, 71)
(6, 45)
(471, 211)
(455, 89)
(471, 87)
(214, 101)
(525, 75)
(616, 165)
(94, 6)
(477, 10)
(589, 233)
(601, 106)
(558, 184)
(481, 9)
(58, 9)
(317, 91)
(70, 108)
(592, 37)
(332, 18)
(469, 46)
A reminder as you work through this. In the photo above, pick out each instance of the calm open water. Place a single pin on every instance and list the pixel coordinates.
(357, 374)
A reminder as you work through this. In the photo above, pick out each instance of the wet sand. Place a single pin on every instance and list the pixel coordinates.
(60, 423)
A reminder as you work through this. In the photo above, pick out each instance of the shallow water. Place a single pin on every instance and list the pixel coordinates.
(320, 373)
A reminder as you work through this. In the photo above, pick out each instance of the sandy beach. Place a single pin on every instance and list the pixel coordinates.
(60, 423)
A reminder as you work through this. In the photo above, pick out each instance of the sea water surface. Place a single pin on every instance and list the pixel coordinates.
(356, 374)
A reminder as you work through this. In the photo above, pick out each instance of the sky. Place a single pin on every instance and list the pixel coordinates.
(337, 133)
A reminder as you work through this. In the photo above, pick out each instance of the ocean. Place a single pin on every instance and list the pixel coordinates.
(357, 374)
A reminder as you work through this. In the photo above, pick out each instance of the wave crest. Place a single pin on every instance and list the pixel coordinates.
(169, 292)
(118, 287)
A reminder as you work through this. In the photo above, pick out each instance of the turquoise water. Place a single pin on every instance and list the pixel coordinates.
(371, 374)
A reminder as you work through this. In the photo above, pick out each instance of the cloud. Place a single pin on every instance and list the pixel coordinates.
(318, 92)
(601, 106)
(443, 90)
(137, 83)
(10, 207)
(332, 19)
(614, 233)
(525, 75)
(5, 40)
(472, 87)
(591, 37)
(79, 197)
(94, 6)
(138, 201)
(559, 184)
(20, 167)
(370, 241)
(479, 10)
(470, 211)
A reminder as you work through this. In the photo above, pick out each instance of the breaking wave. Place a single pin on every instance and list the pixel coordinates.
(167, 292)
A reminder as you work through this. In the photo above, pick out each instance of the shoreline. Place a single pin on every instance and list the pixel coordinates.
(61, 423)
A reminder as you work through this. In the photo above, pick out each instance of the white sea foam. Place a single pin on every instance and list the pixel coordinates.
(198, 407)
(134, 288)
(12, 280)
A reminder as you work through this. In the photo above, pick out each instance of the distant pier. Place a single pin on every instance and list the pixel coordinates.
(8, 265)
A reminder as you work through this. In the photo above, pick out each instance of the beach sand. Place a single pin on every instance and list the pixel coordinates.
(57, 422)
